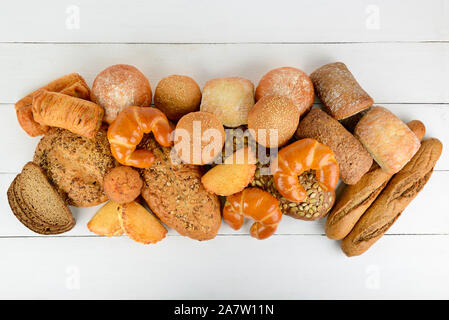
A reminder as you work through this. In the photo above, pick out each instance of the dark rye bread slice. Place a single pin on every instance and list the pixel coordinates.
(26, 219)
(36, 203)
(37, 221)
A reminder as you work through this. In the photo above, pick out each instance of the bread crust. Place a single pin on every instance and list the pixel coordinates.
(71, 84)
(393, 200)
(229, 99)
(273, 112)
(338, 90)
(290, 82)
(176, 96)
(76, 165)
(120, 86)
(60, 110)
(123, 184)
(29, 214)
(389, 141)
(175, 194)
(354, 201)
(354, 161)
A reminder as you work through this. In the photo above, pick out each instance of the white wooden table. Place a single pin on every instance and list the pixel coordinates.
(399, 52)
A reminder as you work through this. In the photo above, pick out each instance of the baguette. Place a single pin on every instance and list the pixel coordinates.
(356, 199)
(393, 200)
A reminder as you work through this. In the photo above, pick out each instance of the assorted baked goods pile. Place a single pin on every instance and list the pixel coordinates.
(232, 151)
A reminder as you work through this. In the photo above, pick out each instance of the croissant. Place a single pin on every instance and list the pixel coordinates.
(300, 156)
(256, 204)
(72, 84)
(127, 130)
(59, 110)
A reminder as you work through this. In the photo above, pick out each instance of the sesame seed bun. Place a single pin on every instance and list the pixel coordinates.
(273, 112)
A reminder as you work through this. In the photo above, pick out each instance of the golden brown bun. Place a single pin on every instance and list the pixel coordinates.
(389, 141)
(290, 82)
(174, 193)
(176, 96)
(354, 161)
(120, 86)
(275, 113)
(199, 138)
(393, 200)
(338, 90)
(229, 99)
(122, 184)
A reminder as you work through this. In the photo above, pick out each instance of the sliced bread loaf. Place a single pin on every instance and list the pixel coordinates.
(36, 203)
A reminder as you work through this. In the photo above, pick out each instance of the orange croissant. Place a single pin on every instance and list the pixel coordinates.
(72, 84)
(127, 130)
(256, 204)
(300, 156)
(59, 110)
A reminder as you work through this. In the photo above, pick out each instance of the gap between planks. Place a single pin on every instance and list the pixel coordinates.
(222, 43)
(221, 235)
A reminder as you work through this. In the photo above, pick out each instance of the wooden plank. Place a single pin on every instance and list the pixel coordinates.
(390, 72)
(288, 267)
(204, 21)
(427, 214)
(21, 147)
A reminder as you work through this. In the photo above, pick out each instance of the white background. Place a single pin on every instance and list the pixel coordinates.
(399, 52)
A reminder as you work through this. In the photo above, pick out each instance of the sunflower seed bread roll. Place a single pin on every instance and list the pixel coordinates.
(356, 199)
(393, 200)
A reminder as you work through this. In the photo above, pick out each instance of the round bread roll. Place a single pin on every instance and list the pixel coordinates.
(229, 99)
(123, 184)
(176, 96)
(270, 113)
(199, 138)
(290, 82)
(120, 86)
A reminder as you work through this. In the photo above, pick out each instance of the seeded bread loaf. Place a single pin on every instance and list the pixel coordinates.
(393, 200)
(36, 204)
(75, 165)
(354, 161)
(175, 194)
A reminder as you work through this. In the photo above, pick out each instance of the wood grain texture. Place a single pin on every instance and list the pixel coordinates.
(232, 21)
(399, 53)
(389, 72)
(87, 268)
